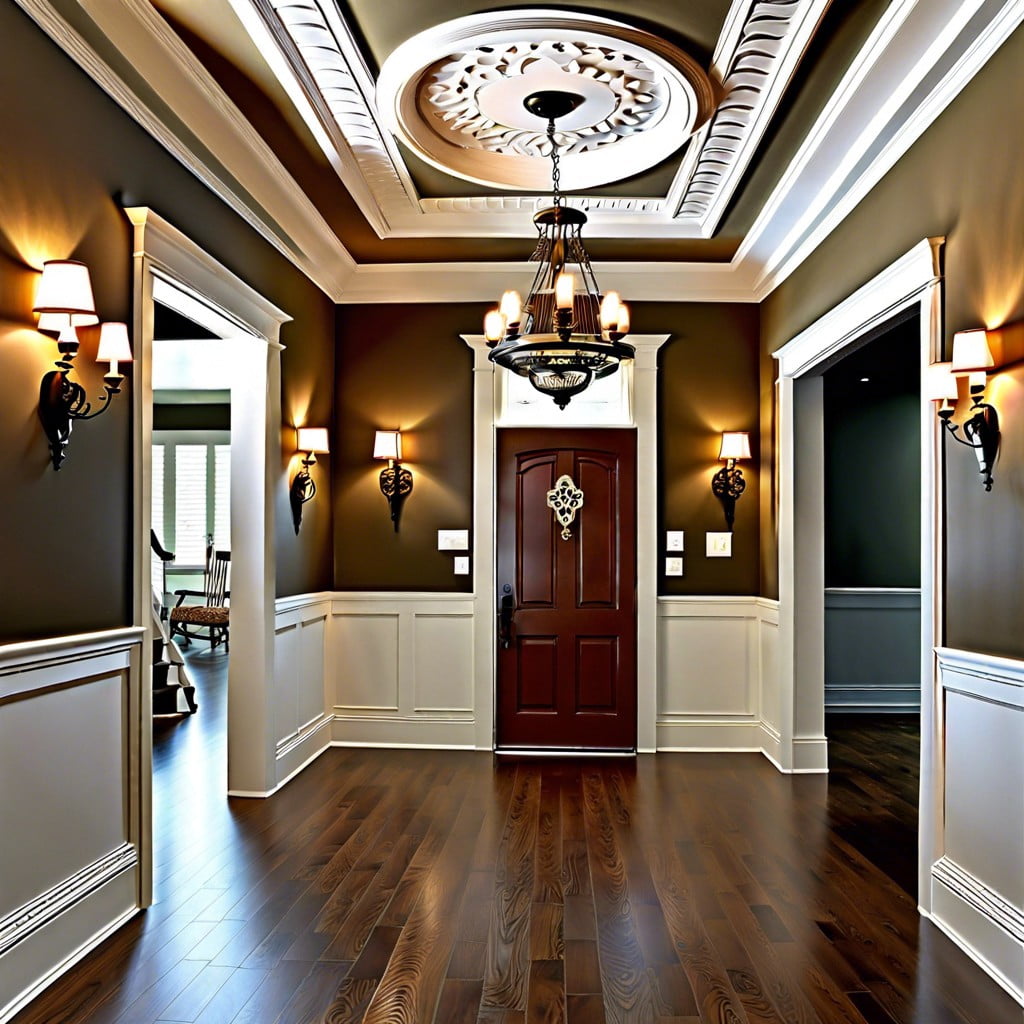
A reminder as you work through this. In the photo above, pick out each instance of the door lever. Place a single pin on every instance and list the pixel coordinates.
(506, 610)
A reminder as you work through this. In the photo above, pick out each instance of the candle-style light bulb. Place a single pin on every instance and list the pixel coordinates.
(564, 287)
(494, 325)
(512, 308)
(610, 311)
(622, 327)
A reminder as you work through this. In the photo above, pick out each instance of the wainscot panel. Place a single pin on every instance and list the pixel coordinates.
(400, 669)
(978, 883)
(713, 653)
(301, 719)
(873, 649)
(73, 719)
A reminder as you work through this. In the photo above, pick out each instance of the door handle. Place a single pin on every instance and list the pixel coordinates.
(506, 610)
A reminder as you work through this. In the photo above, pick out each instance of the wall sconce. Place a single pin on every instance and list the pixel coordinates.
(312, 441)
(64, 304)
(728, 483)
(972, 358)
(395, 480)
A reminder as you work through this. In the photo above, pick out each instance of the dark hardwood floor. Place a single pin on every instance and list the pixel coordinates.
(395, 887)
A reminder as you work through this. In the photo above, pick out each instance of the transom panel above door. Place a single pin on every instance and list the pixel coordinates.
(566, 590)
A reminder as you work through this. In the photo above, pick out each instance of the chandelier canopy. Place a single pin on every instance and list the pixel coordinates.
(566, 334)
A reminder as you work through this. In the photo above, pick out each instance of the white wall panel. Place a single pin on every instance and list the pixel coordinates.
(364, 660)
(443, 662)
(74, 778)
(978, 883)
(768, 673)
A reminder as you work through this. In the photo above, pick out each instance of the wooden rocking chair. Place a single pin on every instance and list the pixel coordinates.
(213, 616)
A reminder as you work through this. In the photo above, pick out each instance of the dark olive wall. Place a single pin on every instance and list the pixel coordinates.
(403, 367)
(708, 382)
(406, 366)
(192, 416)
(872, 421)
(68, 151)
(962, 179)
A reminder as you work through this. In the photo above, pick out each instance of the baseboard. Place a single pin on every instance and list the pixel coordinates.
(396, 731)
(964, 906)
(703, 735)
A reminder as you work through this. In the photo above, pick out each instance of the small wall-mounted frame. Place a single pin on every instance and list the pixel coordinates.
(719, 545)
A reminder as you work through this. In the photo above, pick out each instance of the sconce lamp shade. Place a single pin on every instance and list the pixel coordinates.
(388, 445)
(65, 296)
(971, 352)
(735, 445)
(114, 347)
(939, 383)
(313, 439)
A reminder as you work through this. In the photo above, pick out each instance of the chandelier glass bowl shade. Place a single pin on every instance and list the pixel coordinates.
(566, 334)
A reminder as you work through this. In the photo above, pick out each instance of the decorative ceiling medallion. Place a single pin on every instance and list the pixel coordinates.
(455, 95)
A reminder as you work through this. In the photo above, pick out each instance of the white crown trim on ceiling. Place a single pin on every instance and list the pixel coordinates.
(912, 66)
(321, 67)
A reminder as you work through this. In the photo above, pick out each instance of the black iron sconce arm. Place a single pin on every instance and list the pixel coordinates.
(981, 432)
(303, 489)
(396, 486)
(63, 400)
(727, 485)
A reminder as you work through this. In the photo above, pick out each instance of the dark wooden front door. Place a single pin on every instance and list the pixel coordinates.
(567, 620)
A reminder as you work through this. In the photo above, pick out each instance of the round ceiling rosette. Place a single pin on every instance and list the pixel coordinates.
(454, 94)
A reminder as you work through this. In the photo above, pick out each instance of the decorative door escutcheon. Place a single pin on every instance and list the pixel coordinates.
(566, 499)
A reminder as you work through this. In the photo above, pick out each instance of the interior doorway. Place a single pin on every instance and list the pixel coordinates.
(872, 462)
(191, 502)
(566, 529)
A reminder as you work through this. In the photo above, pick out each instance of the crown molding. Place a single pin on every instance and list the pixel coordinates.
(911, 68)
(243, 171)
(484, 282)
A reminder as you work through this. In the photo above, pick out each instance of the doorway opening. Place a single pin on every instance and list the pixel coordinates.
(872, 462)
(191, 504)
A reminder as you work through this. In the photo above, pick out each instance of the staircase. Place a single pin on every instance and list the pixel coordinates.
(168, 692)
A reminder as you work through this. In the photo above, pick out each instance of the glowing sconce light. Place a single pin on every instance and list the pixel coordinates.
(395, 479)
(312, 441)
(728, 483)
(972, 358)
(65, 303)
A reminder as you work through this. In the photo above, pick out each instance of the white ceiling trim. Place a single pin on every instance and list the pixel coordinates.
(256, 185)
(911, 68)
(484, 282)
(755, 60)
(314, 50)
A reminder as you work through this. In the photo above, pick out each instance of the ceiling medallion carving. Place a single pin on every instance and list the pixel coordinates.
(477, 96)
(454, 94)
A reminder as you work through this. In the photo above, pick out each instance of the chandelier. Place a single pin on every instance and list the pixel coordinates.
(566, 335)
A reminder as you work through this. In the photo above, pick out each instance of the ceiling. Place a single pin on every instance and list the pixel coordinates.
(742, 130)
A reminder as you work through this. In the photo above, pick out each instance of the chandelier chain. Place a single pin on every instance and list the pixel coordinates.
(556, 171)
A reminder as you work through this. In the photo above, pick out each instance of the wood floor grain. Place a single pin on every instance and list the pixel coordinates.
(414, 887)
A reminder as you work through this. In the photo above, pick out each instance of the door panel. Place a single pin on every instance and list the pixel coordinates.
(567, 674)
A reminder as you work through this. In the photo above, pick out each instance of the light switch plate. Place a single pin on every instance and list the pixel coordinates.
(453, 540)
(673, 567)
(719, 545)
(461, 565)
(675, 540)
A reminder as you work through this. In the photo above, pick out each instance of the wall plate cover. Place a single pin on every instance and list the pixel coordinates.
(673, 567)
(461, 565)
(453, 540)
(719, 545)
(675, 540)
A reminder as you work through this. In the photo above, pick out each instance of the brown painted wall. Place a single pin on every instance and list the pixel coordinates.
(67, 152)
(403, 367)
(708, 382)
(962, 180)
(406, 366)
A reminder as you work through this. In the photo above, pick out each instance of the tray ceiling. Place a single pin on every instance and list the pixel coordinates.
(776, 117)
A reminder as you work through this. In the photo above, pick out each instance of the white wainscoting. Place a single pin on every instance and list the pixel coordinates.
(715, 656)
(873, 649)
(978, 882)
(302, 723)
(74, 792)
(399, 670)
